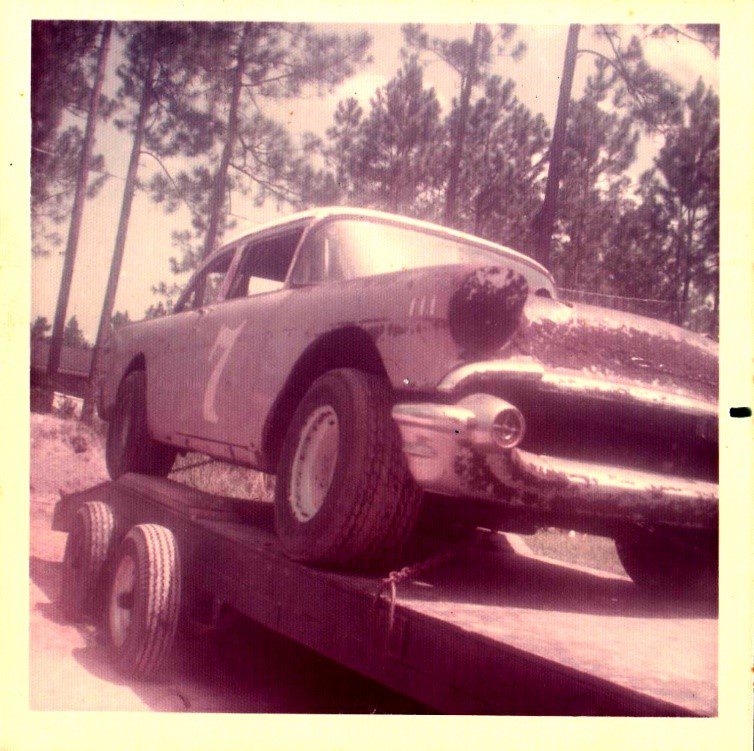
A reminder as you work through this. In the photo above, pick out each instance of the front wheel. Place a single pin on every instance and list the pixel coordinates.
(130, 447)
(344, 496)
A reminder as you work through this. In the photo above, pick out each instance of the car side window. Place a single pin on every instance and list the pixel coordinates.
(265, 263)
(205, 287)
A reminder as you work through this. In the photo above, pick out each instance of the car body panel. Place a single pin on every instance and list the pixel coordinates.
(215, 375)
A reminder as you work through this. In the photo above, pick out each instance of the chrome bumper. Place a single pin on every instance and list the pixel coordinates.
(449, 451)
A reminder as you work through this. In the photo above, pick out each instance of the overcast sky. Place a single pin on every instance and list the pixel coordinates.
(148, 247)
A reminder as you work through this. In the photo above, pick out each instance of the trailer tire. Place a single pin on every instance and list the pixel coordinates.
(144, 601)
(662, 562)
(360, 508)
(130, 447)
(87, 550)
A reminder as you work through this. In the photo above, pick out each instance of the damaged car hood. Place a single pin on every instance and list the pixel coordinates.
(596, 344)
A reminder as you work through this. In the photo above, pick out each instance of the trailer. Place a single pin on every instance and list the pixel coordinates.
(477, 628)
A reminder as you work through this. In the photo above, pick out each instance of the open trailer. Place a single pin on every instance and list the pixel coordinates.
(481, 629)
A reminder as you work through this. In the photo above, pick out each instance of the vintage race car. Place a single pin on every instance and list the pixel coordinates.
(376, 363)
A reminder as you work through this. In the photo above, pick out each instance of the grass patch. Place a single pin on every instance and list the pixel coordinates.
(578, 548)
(197, 471)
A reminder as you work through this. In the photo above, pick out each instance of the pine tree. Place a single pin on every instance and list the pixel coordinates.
(681, 196)
(250, 153)
(63, 64)
(471, 61)
(120, 318)
(599, 148)
(388, 158)
(40, 328)
(73, 336)
(502, 171)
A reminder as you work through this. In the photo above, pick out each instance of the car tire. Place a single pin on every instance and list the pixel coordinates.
(357, 507)
(130, 447)
(87, 550)
(144, 601)
(666, 562)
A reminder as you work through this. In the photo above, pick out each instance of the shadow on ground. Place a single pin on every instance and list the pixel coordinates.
(491, 573)
(242, 668)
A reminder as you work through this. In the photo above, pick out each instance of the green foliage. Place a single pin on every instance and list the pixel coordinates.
(262, 161)
(657, 238)
(40, 329)
(599, 148)
(73, 336)
(502, 167)
(388, 158)
(119, 318)
(63, 63)
(471, 61)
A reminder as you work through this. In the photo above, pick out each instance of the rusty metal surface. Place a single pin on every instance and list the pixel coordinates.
(449, 450)
(616, 345)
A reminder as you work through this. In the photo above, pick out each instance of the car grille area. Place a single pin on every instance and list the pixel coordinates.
(610, 432)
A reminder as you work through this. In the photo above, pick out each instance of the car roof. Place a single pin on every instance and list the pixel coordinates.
(349, 211)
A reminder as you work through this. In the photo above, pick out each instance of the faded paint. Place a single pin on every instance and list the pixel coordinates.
(212, 379)
(220, 352)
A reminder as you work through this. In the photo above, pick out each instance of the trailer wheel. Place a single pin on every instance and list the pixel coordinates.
(144, 601)
(344, 496)
(661, 562)
(130, 447)
(87, 549)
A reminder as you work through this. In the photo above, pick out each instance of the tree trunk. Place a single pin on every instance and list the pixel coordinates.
(714, 323)
(454, 165)
(82, 179)
(218, 189)
(120, 237)
(687, 264)
(678, 271)
(545, 218)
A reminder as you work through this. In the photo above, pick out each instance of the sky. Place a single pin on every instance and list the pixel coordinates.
(148, 245)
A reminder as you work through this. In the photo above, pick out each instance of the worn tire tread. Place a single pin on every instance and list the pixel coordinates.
(385, 502)
(95, 521)
(149, 643)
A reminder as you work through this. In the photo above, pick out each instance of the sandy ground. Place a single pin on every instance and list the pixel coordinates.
(245, 669)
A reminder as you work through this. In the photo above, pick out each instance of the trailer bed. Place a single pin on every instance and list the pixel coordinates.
(489, 631)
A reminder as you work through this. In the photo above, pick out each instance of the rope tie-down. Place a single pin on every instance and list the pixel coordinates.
(389, 585)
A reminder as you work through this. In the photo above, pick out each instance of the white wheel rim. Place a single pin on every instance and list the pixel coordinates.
(314, 463)
(121, 600)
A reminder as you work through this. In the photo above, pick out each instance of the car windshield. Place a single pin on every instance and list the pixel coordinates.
(351, 248)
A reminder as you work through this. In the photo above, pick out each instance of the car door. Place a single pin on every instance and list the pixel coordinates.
(173, 364)
(229, 338)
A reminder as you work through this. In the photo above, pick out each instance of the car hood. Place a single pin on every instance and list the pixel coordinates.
(601, 343)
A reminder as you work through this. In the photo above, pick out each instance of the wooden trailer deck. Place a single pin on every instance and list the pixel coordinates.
(489, 631)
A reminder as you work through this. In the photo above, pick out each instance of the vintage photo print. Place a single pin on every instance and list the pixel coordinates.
(375, 370)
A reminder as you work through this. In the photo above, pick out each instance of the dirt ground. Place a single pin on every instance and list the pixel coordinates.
(245, 669)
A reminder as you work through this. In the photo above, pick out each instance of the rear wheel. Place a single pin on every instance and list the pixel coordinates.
(144, 601)
(668, 561)
(343, 495)
(130, 448)
(87, 549)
